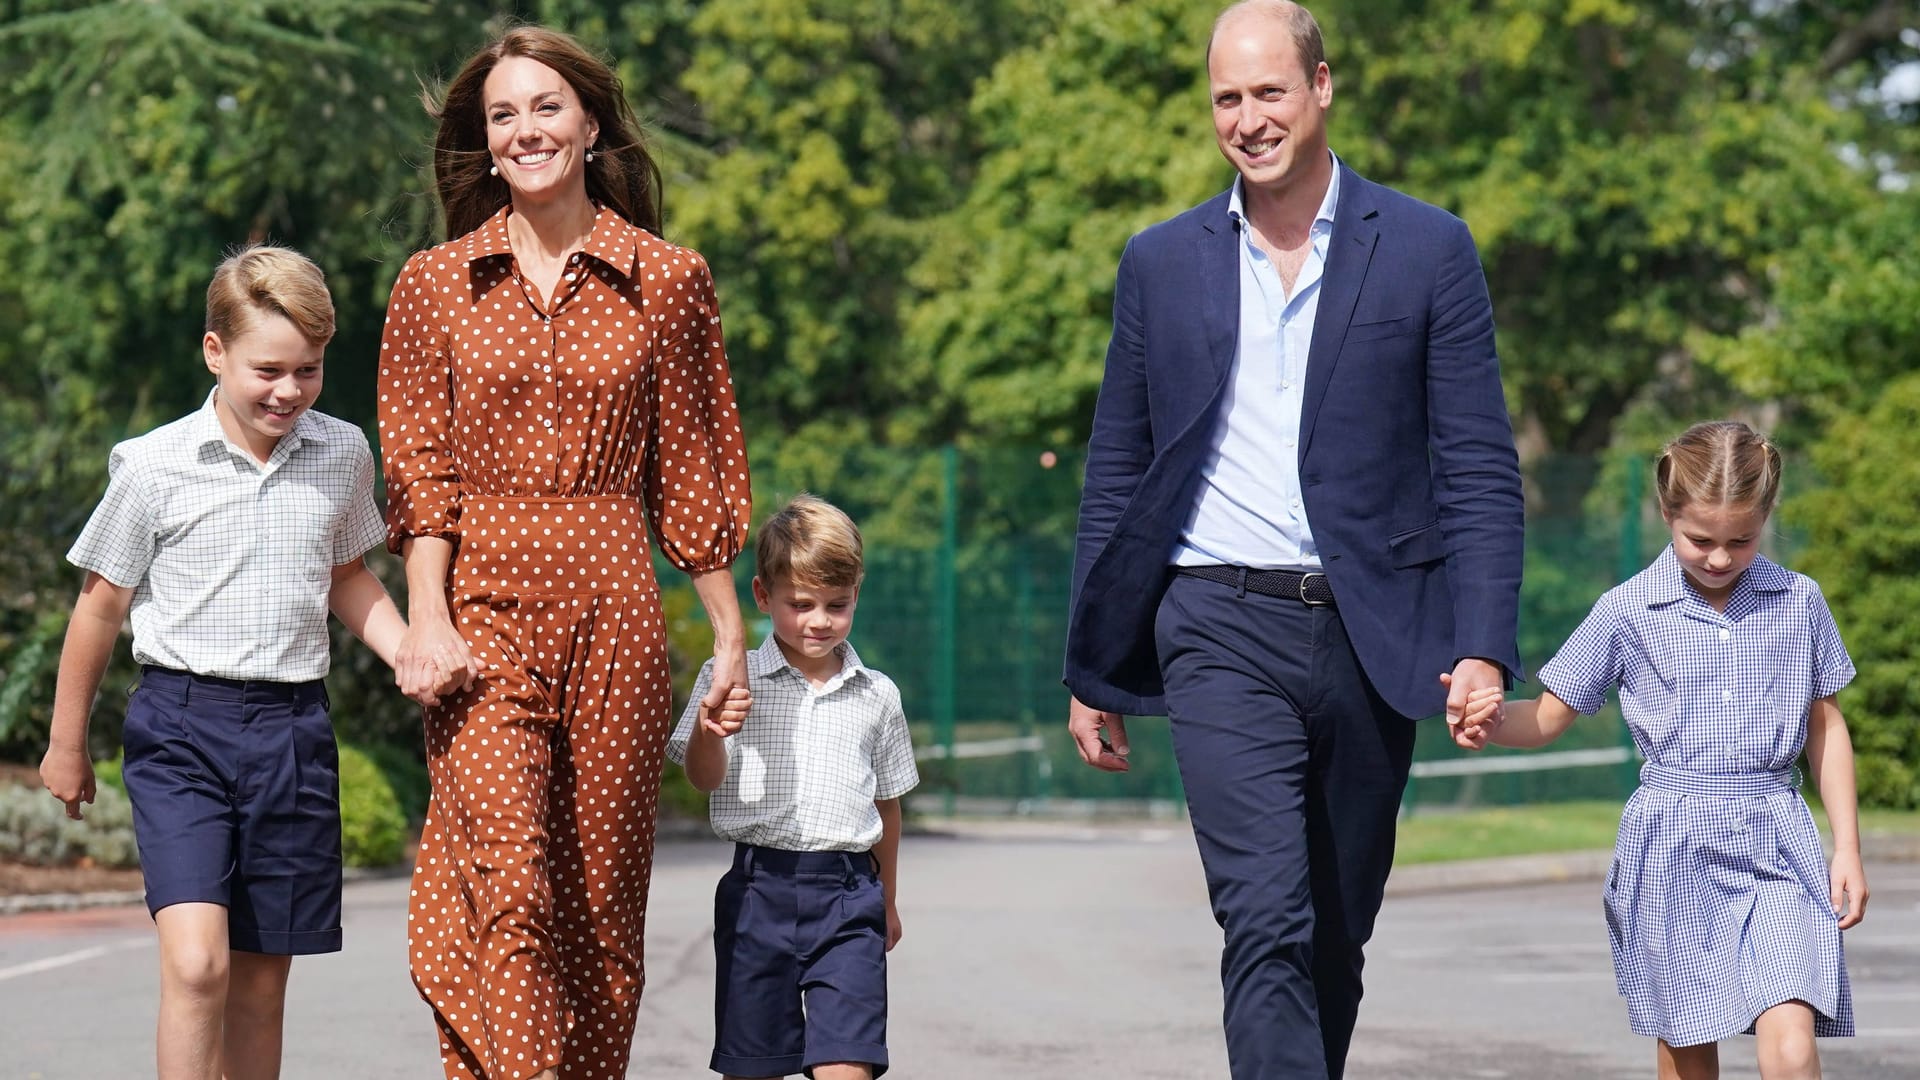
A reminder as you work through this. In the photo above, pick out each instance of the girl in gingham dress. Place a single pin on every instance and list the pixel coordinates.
(1725, 918)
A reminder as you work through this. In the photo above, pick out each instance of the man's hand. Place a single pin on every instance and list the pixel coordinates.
(1469, 675)
(1481, 717)
(1100, 736)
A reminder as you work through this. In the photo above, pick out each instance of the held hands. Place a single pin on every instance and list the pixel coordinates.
(1848, 884)
(1478, 713)
(433, 662)
(727, 702)
(1100, 736)
(68, 775)
(732, 712)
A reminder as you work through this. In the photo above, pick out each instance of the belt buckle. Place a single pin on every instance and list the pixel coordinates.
(1304, 578)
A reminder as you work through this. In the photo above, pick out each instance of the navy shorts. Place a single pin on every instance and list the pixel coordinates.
(236, 801)
(792, 927)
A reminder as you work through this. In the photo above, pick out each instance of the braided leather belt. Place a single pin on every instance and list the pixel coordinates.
(1311, 589)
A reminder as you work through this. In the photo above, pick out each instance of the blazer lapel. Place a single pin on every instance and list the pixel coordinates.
(1219, 249)
(1349, 254)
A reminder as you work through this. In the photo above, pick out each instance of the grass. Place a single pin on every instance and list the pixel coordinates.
(1446, 835)
(1544, 828)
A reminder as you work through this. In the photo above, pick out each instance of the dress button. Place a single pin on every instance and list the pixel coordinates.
(1726, 695)
(1725, 633)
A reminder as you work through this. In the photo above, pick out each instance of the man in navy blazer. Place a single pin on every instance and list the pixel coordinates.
(1302, 516)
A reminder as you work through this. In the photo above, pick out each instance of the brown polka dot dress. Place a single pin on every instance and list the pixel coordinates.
(544, 437)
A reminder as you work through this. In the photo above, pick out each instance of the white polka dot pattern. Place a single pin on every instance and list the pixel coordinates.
(546, 439)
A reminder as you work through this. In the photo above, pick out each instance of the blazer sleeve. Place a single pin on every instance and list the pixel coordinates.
(1121, 446)
(1476, 470)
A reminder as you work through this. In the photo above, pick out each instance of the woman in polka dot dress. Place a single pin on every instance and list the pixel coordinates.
(552, 384)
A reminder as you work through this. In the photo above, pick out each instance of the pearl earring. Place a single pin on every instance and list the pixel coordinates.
(589, 155)
(493, 170)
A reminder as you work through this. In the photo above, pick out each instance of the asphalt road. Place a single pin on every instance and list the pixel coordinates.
(1028, 953)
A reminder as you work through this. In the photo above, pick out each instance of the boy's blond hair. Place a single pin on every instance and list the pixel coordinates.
(274, 280)
(810, 542)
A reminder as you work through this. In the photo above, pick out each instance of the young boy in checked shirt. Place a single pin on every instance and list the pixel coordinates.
(808, 789)
(229, 534)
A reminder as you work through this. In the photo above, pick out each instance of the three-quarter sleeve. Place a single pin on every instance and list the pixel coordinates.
(416, 406)
(698, 498)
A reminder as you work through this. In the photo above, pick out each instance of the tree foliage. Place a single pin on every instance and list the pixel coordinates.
(1863, 547)
(914, 208)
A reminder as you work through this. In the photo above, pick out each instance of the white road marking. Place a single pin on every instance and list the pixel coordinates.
(81, 956)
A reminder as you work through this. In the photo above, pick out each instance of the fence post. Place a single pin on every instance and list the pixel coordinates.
(1023, 692)
(947, 612)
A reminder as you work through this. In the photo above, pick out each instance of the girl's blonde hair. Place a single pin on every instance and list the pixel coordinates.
(1718, 463)
(810, 542)
(265, 278)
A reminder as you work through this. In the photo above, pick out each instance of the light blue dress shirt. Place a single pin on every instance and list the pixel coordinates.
(1249, 511)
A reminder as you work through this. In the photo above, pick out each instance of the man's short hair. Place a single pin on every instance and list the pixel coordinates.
(810, 542)
(1301, 26)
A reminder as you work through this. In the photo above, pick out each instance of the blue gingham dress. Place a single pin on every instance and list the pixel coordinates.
(1717, 901)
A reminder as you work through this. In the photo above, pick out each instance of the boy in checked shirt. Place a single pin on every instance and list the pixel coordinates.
(229, 534)
(808, 789)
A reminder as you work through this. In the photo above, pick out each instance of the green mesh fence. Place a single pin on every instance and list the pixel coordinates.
(969, 557)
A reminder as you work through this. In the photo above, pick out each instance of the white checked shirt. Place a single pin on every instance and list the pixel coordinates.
(804, 770)
(230, 559)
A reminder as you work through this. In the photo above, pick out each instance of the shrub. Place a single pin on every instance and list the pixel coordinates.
(34, 828)
(406, 775)
(1863, 547)
(373, 827)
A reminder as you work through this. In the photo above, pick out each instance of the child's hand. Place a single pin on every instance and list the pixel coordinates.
(893, 926)
(732, 713)
(1847, 882)
(68, 774)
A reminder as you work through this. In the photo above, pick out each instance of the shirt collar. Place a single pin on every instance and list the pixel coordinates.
(613, 241)
(206, 431)
(1322, 218)
(1666, 582)
(767, 659)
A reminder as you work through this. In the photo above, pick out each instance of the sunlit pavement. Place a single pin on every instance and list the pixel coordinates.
(1029, 952)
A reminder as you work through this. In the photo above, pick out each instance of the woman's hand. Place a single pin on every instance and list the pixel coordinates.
(729, 698)
(433, 661)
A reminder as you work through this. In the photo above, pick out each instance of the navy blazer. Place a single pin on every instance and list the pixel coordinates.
(1407, 463)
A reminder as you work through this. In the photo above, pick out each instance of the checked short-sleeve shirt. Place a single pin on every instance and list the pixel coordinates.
(231, 559)
(805, 768)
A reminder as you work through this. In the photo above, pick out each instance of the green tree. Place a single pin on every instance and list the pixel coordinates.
(1635, 173)
(162, 135)
(1863, 547)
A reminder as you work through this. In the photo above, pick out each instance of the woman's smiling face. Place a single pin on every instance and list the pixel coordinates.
(537, 131)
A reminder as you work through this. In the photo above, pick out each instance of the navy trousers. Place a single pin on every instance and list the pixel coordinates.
(1294, 769)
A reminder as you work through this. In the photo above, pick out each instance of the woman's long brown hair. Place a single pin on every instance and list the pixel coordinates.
(622, 174)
